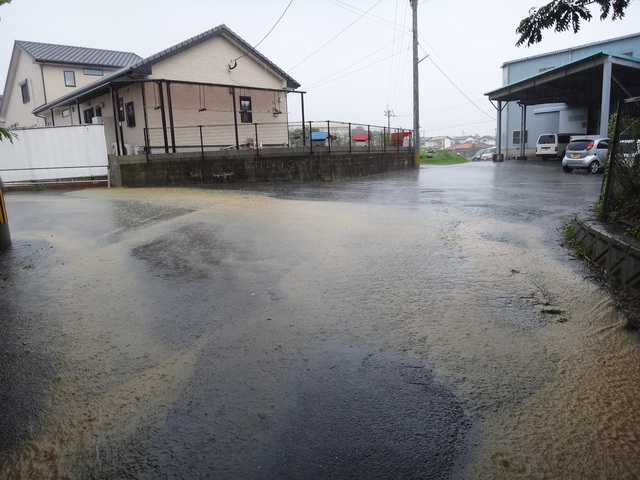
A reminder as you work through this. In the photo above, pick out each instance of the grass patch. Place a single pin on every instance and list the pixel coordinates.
(442, 158)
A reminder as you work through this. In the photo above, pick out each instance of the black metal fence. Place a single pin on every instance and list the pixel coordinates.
(621, 186)
(319, 136)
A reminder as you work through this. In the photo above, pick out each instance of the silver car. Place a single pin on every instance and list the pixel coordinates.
(587, 152)
(488, 154)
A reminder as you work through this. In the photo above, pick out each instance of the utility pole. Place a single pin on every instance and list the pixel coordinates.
(416, 95)
(389, 113)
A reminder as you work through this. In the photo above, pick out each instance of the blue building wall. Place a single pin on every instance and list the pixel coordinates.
(548, 118)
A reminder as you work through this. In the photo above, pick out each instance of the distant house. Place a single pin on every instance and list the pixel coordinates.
(468, 149)
(41, 72)
(214, 83)
(437, 143)
(487, 140)
(464, 139)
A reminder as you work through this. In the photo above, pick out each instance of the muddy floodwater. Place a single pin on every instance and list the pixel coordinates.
(421, 324)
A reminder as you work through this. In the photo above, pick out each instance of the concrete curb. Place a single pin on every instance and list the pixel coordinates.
(617, 253)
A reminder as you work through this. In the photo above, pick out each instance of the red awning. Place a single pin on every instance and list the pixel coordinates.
(360, 137)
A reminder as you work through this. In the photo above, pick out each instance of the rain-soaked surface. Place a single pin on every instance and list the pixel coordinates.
(421, 324)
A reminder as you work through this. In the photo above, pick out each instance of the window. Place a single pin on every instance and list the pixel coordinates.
(98, 111)
(65, 113)
(517, 136)
(97, 72)
(131, 117)
(24, 88)
(88, 115)
(245, 110)
(69, 78)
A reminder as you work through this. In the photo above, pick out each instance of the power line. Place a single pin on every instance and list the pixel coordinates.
(458, 88)
(375, 18)
(394, 92)
(330, 77)
(263, 38)
(336, 36)
(473, 102)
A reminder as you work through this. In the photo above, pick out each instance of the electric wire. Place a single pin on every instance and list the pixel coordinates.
(330, 77)
(351, 8)
(333, 38)
(459, 89)
(395, 18)
(268, 33)
(400, 72)
(433, 52)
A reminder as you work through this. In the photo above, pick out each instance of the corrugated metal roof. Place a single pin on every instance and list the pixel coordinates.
(46, 52)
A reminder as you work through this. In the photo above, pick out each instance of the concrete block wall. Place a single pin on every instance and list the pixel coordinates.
(246, 166)
(615, 252)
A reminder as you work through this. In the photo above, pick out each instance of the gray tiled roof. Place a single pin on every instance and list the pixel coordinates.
(46, 52)
(141, 66)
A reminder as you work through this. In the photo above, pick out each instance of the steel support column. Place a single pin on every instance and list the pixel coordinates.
(605, 101)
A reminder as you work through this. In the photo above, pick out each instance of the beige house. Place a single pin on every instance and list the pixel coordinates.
(211, 91)
(41, 72)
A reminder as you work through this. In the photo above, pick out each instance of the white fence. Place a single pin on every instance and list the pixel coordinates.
(55, 154)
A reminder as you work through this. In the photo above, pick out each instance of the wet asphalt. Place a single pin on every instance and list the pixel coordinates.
(189, 310)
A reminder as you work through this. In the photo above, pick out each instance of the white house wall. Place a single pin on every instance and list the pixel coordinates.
(208, 62)
(212, 107)
(54, 79)
(18, 113)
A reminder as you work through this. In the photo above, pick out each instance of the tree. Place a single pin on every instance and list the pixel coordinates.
(5, 133)
(561, 15)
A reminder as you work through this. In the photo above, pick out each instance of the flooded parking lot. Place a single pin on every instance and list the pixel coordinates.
(423, 324)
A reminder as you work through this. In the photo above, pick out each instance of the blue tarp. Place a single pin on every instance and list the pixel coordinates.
(319, 135)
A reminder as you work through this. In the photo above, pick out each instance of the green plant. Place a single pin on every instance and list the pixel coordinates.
(442, 158)
(635, 231)
(570, 234)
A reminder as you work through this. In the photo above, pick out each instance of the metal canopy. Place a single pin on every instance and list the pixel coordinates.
(576, 83)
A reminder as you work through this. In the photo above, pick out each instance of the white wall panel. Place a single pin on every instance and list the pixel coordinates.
(54, 153)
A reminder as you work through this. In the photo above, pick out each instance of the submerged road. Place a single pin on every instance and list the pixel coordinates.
(421, 324)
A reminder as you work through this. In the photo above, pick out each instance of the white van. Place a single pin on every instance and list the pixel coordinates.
(553, 145)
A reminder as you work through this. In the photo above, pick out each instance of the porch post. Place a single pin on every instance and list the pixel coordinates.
(171, 125)
(146, 119)
(606, 99)
(114, 105)
(163, 117)
(235, 117)
(304, 127)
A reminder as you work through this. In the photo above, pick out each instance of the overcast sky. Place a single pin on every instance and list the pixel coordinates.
(352, 57)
